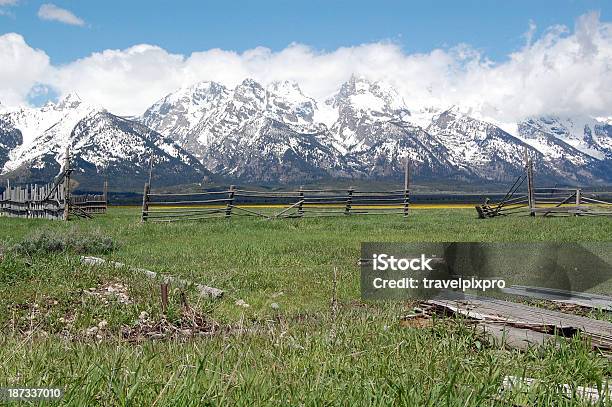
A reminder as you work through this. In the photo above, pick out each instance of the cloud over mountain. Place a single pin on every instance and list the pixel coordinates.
(562, 71)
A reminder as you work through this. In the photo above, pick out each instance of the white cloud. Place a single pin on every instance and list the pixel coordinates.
(52, 12)
(7, 3)
(559, 72)
(21, 68)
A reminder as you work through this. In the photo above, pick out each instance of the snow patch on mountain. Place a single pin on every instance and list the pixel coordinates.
(45, 128)
(587, 135)
(276, 133)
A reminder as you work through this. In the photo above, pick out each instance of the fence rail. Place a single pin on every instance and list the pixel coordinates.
(548, 201)
(301, 203)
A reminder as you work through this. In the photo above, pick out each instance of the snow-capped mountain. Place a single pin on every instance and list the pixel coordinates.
(180, 112)
(587, 135)
(101, 144)
(366, 130)
(50, 124)
(361, 107)
(277, 134)
(10, 138)
(250, 132)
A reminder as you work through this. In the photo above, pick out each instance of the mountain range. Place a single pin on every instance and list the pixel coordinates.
(275, 134)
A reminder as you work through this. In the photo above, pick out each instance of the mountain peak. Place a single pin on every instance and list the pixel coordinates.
(195, 93)
(70, 101)
(206, 86)
(249, 83)
(285, 88)
(250, 91)
(358, 78)
(365, 95)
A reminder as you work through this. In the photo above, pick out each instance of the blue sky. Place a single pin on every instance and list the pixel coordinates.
(505, 59)
(495, 28)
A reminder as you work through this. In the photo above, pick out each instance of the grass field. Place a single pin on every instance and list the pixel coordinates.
(289, 346)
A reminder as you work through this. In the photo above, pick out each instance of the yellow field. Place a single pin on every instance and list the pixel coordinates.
(278, 206)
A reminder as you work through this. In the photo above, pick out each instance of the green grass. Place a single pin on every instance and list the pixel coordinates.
(299, 354)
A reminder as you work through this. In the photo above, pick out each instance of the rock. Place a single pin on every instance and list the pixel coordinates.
(274, 305)
(242, 303)
(157, 336)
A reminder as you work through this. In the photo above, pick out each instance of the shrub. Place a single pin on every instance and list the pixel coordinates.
(48, 241)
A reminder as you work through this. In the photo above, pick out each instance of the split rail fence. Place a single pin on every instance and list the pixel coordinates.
(302, 203)
(548, 201)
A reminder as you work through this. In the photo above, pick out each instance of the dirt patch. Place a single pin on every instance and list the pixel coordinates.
(190, 324)
(109, 292)
(416, 321)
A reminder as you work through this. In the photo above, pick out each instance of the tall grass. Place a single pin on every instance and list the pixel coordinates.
(300, 353)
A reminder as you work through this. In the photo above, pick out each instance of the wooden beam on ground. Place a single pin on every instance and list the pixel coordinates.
(511, 337)
(204, 290)
(298, 204)
(587, 300)
(490, 310)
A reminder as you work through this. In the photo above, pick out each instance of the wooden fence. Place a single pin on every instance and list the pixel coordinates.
(33, 201)
(89, 203)
(51, 201)
(48, 202)
(302, 203)
(546, 201)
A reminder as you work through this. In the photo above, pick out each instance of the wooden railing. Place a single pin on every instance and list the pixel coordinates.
(301, 203)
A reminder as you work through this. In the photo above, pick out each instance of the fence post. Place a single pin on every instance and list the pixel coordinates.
(530, 189)
(301, 200)
(349, 201)
(230, 202)
(578, 199)
(406, 186)
(105, 194)
(164, 297)
(67, 184)
(145, 203)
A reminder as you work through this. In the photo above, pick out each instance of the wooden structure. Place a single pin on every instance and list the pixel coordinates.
(521, 325)
(545, 201)
(301, 203)
(51, 201)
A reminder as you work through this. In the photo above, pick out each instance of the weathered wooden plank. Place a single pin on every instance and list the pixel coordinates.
(204, 290)
(509, 336)
(568, 297)
(525, 316)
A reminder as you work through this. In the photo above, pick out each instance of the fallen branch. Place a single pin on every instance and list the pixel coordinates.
(204, 290)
